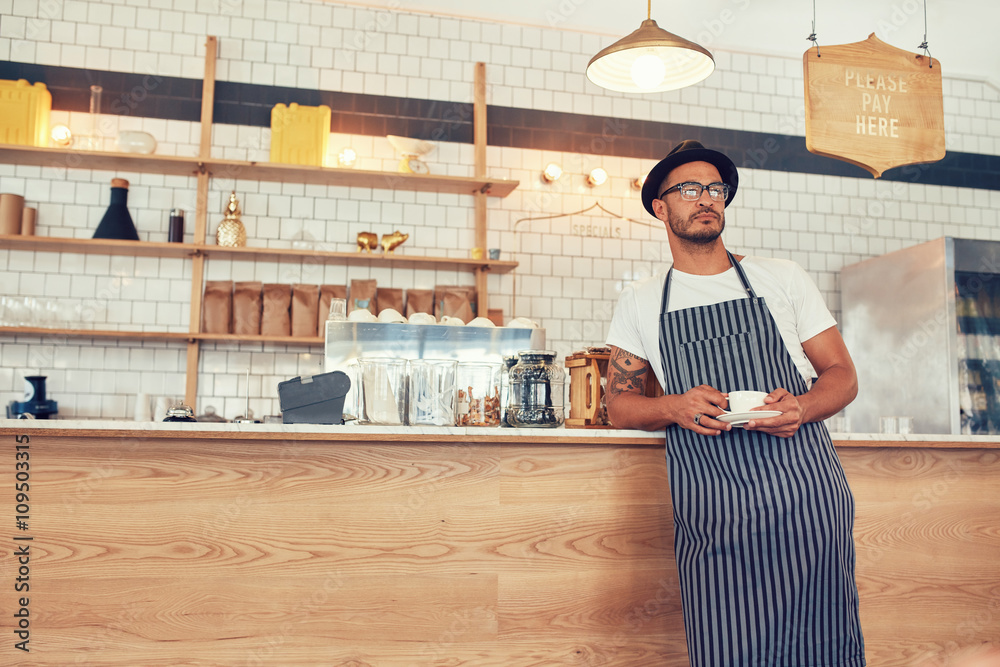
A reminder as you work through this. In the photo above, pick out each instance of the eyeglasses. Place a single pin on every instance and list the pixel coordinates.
(691, 191)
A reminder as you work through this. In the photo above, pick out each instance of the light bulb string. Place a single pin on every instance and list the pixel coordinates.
(649, 11)
(923, 44)
(812, 35)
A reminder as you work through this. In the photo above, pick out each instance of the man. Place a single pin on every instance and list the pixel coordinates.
(763, 516)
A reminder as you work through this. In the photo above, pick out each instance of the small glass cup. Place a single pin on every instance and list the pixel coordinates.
(383, 391)
(888, 425)
(338, 310)
(433, 394)
(904, 425)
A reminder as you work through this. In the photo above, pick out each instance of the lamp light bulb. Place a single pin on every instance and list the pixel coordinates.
(347, 157)
(648, 71)
(61, 136)
(552, 172)
(597, 177)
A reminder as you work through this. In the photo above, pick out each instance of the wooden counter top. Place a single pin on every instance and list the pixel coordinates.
(258, 545)
(352, 433)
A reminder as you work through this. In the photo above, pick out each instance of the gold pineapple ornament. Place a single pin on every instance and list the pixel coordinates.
(231, 232)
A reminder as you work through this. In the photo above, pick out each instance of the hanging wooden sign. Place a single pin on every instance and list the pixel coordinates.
(873, 105)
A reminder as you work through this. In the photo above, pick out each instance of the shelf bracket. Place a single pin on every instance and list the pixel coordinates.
(485, 189)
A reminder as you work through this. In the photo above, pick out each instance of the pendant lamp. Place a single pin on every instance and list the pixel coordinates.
(650, 60)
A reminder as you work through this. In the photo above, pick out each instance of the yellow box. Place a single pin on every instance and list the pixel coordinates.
(24, 113)
(299, 135)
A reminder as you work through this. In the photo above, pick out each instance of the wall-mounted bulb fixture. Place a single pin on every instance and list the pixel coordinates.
(347, 157)
(638, 183)
(597, 177)
(61, 136)
(552, 173)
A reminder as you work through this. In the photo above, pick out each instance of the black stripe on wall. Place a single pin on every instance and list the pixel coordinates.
(176, 98)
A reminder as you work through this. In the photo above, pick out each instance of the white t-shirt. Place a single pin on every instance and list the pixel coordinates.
(793, 299)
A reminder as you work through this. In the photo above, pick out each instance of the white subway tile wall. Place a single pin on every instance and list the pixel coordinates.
(571, 268)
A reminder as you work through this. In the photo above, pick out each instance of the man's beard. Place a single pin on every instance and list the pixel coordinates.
(695, 231)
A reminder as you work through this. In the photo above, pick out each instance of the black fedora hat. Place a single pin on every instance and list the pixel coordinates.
(684, 152)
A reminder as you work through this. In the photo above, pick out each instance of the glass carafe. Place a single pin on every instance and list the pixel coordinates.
(536, 390)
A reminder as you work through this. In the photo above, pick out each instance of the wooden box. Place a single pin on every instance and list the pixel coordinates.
(588, 372)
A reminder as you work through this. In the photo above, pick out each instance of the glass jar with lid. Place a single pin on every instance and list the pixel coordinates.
(536, 390)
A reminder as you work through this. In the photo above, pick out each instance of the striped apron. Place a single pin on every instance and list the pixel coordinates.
(762, 524)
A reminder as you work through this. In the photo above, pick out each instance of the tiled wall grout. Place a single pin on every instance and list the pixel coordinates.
(571, 269)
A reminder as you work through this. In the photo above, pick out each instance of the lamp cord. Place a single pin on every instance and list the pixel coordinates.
(923, 44)
(649, 10)
(812, 36)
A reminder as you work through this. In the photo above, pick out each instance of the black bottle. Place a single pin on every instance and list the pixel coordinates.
(117, 223)
(176, 231)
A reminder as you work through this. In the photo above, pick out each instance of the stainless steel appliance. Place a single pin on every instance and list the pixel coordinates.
(923, 327)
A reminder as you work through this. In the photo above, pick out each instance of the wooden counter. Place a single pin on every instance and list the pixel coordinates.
(324, 546)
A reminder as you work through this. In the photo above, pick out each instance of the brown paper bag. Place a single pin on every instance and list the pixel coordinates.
(246, 308)
(390, 297)
(495, 315)
(419, 301)
(326, 294)
(363, 296)
(276, 319)
(217, 306)
(455, 301)
(305, 304)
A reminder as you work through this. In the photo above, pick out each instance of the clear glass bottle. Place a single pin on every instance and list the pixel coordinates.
(536, 390)
(94, 141)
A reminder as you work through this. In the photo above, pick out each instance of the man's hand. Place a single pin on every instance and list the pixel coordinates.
(696, 408)
(784, 425)
(629, 407)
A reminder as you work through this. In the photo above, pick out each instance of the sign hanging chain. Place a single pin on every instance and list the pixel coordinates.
(812, 36)
(923, 44)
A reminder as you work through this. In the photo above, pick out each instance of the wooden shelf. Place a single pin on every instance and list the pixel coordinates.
(61, 158)
(97, 333)
(379, 180)
(240, 338)
(64, 158)
(157, 335)
(376, 259)
(98, 246)
(161, 249)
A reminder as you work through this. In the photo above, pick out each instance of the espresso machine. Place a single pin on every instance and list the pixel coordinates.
(34, 405)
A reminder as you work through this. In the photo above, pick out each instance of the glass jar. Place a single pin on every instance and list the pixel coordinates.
(536, 390)
(383, 391)
(478, 394)
(433, 392)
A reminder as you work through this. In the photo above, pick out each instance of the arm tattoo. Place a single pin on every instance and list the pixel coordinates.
(627, 373)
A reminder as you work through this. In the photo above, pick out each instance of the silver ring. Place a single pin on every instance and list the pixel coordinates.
(697, 419)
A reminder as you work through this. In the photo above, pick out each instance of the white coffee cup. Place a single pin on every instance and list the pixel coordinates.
(744, 401)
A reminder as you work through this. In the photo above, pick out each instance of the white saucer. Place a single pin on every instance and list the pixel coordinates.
(741, 418)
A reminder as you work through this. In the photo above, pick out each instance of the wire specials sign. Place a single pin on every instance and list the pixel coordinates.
(873, 105)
